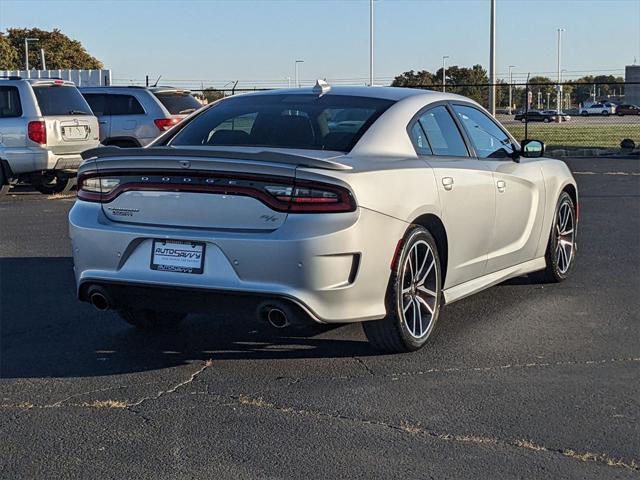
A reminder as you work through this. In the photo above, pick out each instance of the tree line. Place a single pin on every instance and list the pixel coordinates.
(473, 83)
(61, 52)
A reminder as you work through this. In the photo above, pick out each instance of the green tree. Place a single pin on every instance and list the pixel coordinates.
(542, 88)
(470, 82)
(211, 94)
(61, 51)
(413, 79)
(8, 55)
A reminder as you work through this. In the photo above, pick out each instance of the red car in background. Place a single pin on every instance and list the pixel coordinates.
(627, 110)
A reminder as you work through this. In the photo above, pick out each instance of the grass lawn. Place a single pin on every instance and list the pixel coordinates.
(587, 136)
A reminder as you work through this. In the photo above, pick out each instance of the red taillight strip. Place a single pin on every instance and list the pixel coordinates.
(344, 203)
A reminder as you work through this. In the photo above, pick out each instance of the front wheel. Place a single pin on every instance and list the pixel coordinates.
(561, 249)
(413, 296)
(151, 320)
(605, 113)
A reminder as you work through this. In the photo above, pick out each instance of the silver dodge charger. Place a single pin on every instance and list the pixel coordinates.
(324, 204)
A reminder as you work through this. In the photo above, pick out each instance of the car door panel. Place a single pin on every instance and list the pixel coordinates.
(520, 200)
(465, 191)
(467, 202)
(518, 186)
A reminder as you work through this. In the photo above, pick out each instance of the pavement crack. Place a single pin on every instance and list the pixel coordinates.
(173, 389)
(419, 431)
(364, 365)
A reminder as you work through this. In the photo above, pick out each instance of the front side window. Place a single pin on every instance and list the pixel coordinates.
(442, 133)
(488, 139)
(307, 121)
(123, 105)
(10, 102)
(60, 100)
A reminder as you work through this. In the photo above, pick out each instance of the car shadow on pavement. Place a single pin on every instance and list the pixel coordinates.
(46, 332)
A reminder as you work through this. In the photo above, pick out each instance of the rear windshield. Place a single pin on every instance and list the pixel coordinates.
(178, 103)
(61, 100)
(329, 122)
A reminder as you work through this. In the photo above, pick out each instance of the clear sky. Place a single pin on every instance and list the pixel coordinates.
(257, 41)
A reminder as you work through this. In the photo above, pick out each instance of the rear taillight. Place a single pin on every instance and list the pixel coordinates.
(37, 132)
(165, 124)
(280, 194)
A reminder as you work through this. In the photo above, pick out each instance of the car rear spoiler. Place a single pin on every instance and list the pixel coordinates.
(262, 156)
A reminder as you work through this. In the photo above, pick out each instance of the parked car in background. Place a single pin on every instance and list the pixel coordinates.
(134, 116)
(328, 205)
(598, 109)
(545, 116)
(627, 109)
(45, 124)
(565, 117)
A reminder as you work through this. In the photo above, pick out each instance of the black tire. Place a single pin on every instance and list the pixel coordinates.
(51, 184)
(605, 113)
(546, 120)
(584, 114)
(393, 333)
(555, 271)
(4, 184)
(150, 320)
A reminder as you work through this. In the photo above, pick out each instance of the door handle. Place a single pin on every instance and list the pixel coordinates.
(102, 123)
(501, 184)
(447, 183)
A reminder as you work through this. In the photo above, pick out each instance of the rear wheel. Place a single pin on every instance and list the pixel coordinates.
(605, 113)
(413, 297)
(561, 249)
(151, 320)
(51, 183)
(546, 120)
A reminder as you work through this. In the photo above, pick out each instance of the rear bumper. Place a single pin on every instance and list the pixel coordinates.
(36, 159)
(334, 266)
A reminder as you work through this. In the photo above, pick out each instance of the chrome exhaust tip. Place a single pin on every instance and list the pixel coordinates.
(99, 299)
(277, 318)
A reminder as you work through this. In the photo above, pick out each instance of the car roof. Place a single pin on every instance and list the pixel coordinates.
(102, 88)
(384, 93)
(41, 81)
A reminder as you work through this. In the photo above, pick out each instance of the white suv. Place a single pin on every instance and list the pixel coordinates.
(45, 124)
(598, 109)
(134, 116)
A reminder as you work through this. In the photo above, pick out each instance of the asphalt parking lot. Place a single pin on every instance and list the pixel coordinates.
(523, 380)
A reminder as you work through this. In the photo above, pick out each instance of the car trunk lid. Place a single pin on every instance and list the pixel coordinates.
(197, 188)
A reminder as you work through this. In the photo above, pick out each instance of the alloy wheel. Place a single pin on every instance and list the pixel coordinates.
(565, 237)
(419, 286)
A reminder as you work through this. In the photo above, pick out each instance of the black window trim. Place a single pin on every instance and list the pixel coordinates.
(515, 143)
(415, 119)
(19, 101)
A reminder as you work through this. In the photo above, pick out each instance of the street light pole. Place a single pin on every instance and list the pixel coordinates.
(26, 51)
(371, 43)
(297, 76)
(492, 61)
(444, 72)
(510, 85)
(559, 87)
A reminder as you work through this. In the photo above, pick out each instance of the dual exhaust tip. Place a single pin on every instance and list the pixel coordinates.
(277, 315)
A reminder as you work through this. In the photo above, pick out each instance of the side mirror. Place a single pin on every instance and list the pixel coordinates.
(532, 148)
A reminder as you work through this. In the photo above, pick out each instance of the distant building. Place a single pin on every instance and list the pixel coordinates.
(82, 78)
(632, 92)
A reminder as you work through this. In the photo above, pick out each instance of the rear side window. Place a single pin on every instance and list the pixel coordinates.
(123, 105)
(10, 102)
(178, 103)
(61, 100)
(442, 133)
(97, 103)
